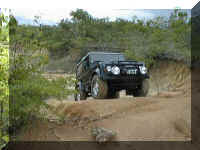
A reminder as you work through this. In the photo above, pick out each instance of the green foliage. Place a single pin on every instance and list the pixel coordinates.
(4, 91)
(162, 39)
(28, 88)
(27, 97)
(4, 34)
(159, 38)
(4, 75)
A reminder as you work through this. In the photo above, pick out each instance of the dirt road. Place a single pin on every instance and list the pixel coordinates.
(166, 116)
(152, 118)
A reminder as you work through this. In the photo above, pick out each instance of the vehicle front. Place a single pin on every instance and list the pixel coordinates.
(119, 72)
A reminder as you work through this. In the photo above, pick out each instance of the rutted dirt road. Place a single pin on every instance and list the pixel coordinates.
(166, 116)
(152, 118)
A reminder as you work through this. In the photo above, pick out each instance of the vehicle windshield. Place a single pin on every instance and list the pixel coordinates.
(106, 57)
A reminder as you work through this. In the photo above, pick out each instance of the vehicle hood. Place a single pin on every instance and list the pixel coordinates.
(125, 63)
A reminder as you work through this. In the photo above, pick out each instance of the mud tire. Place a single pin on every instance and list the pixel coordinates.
(81, 95)
(143, 90)
(102, 88)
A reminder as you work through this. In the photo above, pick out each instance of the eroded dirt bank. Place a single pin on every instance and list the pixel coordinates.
(164, 115)
(169, 76)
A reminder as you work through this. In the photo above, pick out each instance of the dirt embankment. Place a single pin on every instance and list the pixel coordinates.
(168, 76)
(164, 115)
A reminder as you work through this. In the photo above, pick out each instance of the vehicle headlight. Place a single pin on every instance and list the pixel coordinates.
(115, 70)
(108, 68)
(143, 69)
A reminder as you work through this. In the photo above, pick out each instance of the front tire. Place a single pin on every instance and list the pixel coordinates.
(143, 89)
(99, 88)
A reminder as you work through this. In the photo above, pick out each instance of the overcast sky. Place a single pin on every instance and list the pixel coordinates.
(53, 16)
(112, 9)
(56, 15)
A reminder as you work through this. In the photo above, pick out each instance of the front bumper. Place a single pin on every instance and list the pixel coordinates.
(110, 76)
(124, 81)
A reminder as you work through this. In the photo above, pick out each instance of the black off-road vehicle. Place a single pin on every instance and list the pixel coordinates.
(103, 75)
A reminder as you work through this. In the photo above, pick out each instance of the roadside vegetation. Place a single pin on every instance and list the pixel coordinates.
(4, 75)
(28, 87)
(23, 87)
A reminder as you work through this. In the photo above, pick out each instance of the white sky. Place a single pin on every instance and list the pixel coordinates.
(58, 14)
(54, 10)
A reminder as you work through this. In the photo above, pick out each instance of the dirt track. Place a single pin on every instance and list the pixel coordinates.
(152, 118)
(164, 117)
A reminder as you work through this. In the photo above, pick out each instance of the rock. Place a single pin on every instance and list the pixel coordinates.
(102, 134)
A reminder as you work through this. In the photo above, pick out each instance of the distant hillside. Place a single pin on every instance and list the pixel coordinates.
(141, 40)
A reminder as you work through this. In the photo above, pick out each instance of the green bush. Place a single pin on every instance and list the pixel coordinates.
(4, 75)
(4, 92)
(160, 41)
(27, 97)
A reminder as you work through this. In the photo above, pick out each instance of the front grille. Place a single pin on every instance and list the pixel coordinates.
(124, 70)
(130, 78)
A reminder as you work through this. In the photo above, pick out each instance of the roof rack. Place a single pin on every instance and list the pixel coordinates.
(98, 52)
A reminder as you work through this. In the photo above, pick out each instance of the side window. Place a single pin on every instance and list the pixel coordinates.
(91, 60)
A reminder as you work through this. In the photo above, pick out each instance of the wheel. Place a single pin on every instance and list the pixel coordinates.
(142, 91)
(80, 95)
(99, 88)
(113, 94)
